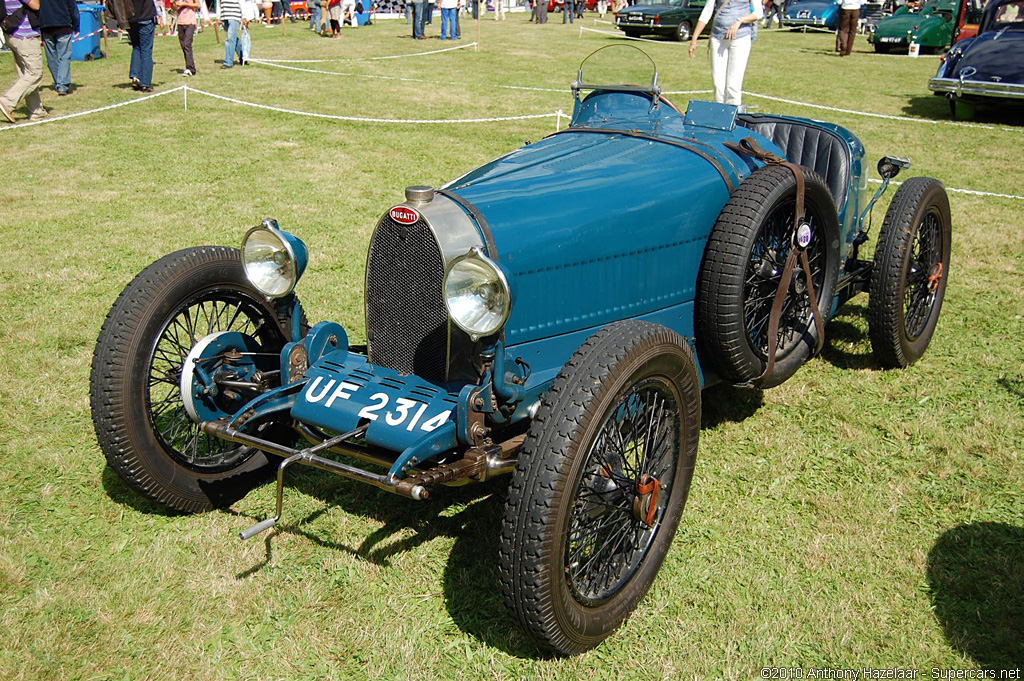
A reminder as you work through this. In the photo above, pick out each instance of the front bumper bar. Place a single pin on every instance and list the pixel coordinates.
(977, 88)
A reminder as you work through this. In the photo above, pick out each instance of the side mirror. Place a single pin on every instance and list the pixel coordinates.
(890, 166)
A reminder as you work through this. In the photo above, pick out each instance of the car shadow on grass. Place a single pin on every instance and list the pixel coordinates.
(936, 108)
(975, 579)
(119, 492)
(471, 515)
(846, 339)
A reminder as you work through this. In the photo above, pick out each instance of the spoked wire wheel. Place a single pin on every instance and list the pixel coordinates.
(769, 251)
(600, 485)
(910, 272)
(135, 387)
(924, 271)
(621, 498)
(742, 269)
(208, 312)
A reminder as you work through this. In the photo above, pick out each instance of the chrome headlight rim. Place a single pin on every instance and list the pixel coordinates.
(270, 226)
(477, 254)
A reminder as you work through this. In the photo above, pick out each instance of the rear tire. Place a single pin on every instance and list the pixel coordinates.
(910, 273)
(600, 485)
(683, 31)
(140, 420)
(742, 269)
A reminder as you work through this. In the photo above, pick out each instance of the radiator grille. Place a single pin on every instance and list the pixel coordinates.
(406, 319)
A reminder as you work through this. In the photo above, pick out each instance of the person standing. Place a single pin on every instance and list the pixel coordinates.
(732, 33)
(141, 29)
(568, 10)
(230, 14)
(449, 9)
(20, 21)
(418, 19)
(334, 9)
(187, 11)
(542, 11)
(775, 9)
(58, 22)
(314, 14)
(849, 17)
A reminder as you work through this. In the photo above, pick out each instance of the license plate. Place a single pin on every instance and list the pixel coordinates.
(803, 14)
(891, 39)
(635, 17)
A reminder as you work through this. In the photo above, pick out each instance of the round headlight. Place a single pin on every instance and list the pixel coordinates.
(477, 294)
(273, 259)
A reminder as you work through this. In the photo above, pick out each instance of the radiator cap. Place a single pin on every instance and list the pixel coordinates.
(419, 194)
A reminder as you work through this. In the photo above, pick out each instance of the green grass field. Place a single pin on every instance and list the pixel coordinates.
(852, 517)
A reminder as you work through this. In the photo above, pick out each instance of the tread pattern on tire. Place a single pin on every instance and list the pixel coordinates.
(885, 303)
(560, 424)
(120, 331)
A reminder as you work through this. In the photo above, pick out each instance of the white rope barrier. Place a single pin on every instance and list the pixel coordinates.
(885, 116)
(352, 59)
(65, 117)
(962, 191)
(361, 119)
(276, 65)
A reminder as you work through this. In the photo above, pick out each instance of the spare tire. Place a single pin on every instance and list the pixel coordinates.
(742, 269)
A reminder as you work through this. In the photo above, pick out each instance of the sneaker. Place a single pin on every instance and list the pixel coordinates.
(39, 116)
(135, 84)
(62, 93)
(6, 112)
(148, 88)
(187, 72)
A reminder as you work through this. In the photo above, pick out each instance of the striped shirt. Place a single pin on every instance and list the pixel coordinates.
(24, 29)
(229, 10)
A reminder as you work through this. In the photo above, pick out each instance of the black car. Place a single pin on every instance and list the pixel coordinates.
(988, 67)
(675, 18)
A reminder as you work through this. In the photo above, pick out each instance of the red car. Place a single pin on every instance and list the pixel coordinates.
(553, 5)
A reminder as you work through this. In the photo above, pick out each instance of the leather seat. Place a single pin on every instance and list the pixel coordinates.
(807, 145)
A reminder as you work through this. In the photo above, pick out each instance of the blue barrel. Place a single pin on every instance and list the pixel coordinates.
(86, 45)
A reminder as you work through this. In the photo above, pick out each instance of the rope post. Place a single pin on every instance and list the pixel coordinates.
(184, 93)
(477, 46)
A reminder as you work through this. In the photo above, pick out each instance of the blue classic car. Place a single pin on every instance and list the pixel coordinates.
(988, 67)
(812, 14)
(552, 315)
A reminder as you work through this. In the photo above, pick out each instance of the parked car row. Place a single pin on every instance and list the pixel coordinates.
(985, 63)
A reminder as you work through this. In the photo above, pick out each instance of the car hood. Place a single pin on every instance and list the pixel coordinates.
(994, 55)
(905, 23)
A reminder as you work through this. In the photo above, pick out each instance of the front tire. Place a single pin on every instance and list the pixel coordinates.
(600, 485)
(140, 419)
(683, 31)
(910, 272)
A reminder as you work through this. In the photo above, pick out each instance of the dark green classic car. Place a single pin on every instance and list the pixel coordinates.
(674, 18)
(931, 28)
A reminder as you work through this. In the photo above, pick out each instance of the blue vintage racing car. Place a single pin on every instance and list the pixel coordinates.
(552, 315)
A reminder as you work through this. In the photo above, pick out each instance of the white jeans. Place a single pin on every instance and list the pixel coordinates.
(728, 63)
